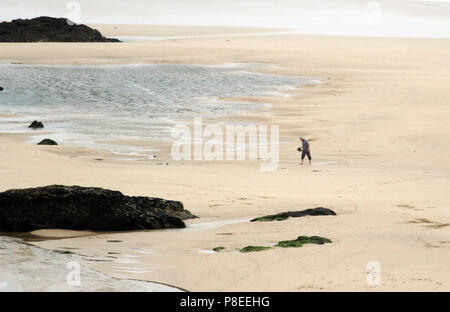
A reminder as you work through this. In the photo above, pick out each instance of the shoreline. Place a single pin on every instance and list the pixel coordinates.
(364, 125)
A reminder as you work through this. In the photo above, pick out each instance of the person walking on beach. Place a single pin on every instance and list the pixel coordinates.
(306, 150)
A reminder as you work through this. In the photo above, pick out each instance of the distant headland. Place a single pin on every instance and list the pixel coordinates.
(49, 29)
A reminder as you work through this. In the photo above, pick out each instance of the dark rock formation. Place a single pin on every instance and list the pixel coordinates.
(1, 89)
(47, 142)
(49, 29)
(319, 211)
(86, 208)
(36, 125)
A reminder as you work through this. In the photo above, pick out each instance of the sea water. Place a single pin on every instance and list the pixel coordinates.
(88, 105)
(29, 268)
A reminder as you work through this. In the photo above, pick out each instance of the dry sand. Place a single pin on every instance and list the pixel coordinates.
(379, 128)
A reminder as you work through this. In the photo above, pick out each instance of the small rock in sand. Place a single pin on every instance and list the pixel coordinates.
(36, 125)
(47, 142)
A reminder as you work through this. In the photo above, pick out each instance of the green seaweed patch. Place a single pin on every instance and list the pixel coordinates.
(254, 248)
(219, 249)
(301, 240)
(270, 218)
(319, 211)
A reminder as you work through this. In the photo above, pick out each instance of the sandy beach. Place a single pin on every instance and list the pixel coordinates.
(378, 127)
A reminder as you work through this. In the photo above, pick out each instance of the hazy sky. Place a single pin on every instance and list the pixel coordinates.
(353, 17)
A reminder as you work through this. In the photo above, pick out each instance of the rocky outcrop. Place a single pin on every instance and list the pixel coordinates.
(86, 208)
(49, 29)
(36, 125)
(47, 142)
(319, 211)
(1, 89)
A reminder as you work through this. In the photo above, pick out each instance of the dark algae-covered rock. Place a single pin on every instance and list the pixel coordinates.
(49, 29)
(86, 208)
(218, 249)
(301, 240)
(47, 142)
(36, 125)
(254, 248)
(278, 217)
(319, 211)
(64, 252)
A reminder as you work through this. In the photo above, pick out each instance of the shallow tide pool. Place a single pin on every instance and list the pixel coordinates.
(86, 105)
